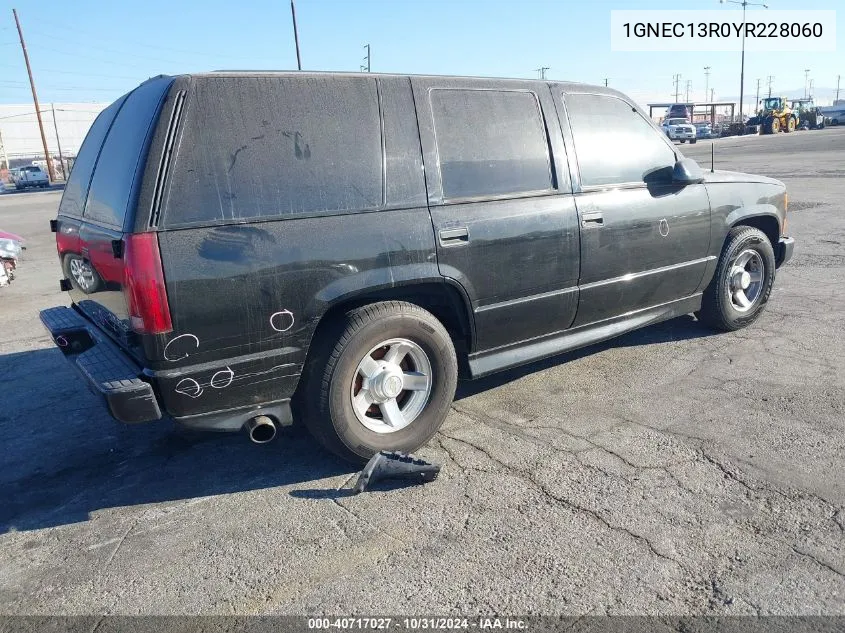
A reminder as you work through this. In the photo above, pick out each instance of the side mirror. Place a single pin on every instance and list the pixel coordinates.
(687, 172)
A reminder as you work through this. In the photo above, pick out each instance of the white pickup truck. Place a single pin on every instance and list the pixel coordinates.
(29, 176)
(679, 130)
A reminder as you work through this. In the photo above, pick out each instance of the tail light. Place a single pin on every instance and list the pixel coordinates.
(143, 285)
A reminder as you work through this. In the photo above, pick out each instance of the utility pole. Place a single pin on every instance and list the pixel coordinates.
(295, 36)
(770, 79)
(676, 79)
(35, 100)
(541, 71)
(605, 82)
(689, 85)
(744, 4)
(810, 91)
(838, 78)
(58, 142)
(712, 95)
(758, 95)
(706, 81)
(806, 79)
(367, 58)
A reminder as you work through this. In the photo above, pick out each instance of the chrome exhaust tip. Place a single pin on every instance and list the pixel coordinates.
(261, 429)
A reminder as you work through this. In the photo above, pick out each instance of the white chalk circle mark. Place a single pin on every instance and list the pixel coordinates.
(222, 378)
(61, 341)
(664, 227)
(189, 387)
(185, 354)
(282, 321)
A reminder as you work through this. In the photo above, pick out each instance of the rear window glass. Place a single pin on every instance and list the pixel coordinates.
(258, 147)
(114, 177)
(76, 190)
(490, 142)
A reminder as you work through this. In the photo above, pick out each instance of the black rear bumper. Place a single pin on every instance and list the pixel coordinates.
(108, 371)
(783, 250)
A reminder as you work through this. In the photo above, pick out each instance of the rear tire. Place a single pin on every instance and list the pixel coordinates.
(371, 336)
(748, 260)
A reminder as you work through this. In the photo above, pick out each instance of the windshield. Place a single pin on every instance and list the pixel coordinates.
(677, 121)
(771, 104)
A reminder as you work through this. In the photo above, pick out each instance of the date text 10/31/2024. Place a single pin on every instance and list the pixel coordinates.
(418, 623)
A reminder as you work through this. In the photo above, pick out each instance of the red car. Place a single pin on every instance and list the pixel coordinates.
(87, 257)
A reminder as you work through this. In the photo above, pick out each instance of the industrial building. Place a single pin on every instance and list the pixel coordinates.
(65, 127)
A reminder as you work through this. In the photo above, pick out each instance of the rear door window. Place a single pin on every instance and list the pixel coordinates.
(614, 144)
(490, 143)
(113, 184)
(76, 190)
(271, 147)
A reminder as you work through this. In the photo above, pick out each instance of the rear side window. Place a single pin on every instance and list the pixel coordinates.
(614, 143)
(490, 143)
(76, 190)
(120, 159)
(113, 183)
(264, 147)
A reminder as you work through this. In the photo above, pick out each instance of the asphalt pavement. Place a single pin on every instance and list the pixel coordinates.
(672, 471)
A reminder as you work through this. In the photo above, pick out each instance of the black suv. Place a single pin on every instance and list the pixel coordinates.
(351, 243)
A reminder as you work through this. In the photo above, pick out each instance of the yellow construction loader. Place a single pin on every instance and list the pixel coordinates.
(776, 115)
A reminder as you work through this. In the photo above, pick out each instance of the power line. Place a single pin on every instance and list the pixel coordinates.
(73, 89)
(102, 48)
(71, 53)
(75, 72)
(99, 35)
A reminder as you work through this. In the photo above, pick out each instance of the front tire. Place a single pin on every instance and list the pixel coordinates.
(742, 283)
(382, 378)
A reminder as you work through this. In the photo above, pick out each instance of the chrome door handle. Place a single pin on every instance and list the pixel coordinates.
(452, 237)
(592, 219)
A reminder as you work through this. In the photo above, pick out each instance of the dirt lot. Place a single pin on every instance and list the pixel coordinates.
(673, 471)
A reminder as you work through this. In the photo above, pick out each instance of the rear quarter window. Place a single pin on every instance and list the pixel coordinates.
(274, 147)
(76, 189)
(121, 158)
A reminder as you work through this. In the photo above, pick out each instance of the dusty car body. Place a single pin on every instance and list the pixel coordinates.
(348, 245)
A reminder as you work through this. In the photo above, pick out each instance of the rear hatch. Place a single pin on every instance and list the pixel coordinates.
(105, 264)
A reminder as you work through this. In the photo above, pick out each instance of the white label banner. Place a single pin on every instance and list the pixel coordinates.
(763, 31)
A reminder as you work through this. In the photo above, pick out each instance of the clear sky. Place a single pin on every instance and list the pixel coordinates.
(94, 50)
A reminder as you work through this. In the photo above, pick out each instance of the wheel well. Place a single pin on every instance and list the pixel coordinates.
(765, 223)
(441, 299)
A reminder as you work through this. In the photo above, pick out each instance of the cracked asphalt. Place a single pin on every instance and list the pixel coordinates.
(673, 471)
